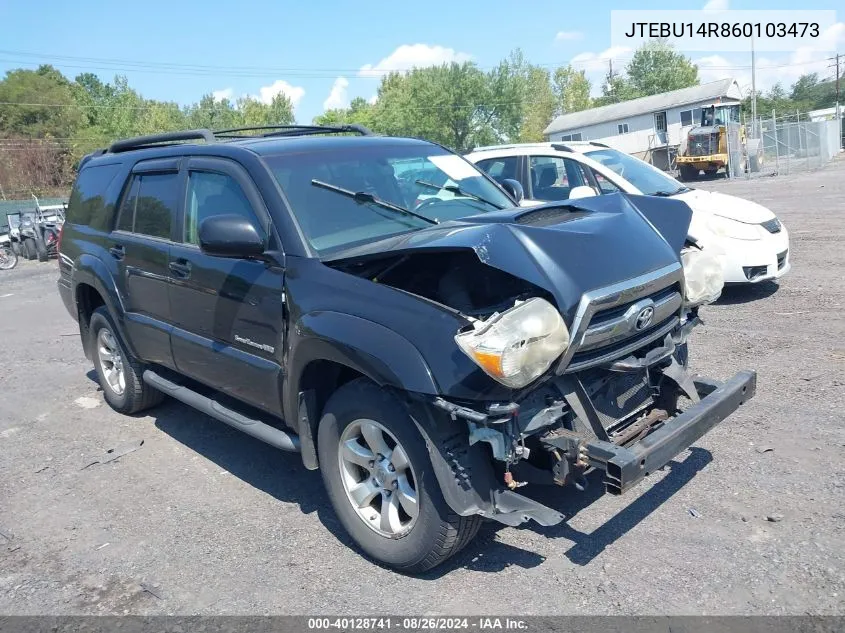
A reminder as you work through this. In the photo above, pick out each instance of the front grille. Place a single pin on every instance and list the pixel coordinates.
(618, 320)
(621, 323)
(772, 226)
(598, 356)
(703, 144)
(782, 259)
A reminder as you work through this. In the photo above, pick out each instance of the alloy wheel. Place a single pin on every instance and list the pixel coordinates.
(378, 478)
(111, 361)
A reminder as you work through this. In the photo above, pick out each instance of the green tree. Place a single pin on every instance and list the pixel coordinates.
(457, 105)
(24, 91)
(571, 90)
(539, 103)
(657, 67)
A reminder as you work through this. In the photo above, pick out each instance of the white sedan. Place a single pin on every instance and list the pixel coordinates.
(751, 242)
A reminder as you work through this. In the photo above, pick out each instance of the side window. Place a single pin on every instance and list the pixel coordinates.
(500, 168)
(126, 218)
(210, 194)
(553, 177)
(156, 204)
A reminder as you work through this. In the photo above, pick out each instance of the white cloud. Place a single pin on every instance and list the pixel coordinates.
(337, 95)
(598, 61)
(410, 56)
(372, 100)
(294, 93)
(219, 95)
(717, 5)
(596, 65)
(568, 36)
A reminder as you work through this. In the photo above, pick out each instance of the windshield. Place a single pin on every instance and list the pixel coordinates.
(14, 220)
(424, 179)
(650, 180)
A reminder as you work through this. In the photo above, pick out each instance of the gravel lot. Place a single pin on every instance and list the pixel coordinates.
(202, 519)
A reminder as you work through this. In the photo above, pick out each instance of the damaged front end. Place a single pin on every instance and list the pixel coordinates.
(580, 315)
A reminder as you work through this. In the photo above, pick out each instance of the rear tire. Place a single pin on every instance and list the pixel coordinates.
(754, 163)
(359, 412)
(41, 250)
(30, 251)
(118, 372)
(16, 249)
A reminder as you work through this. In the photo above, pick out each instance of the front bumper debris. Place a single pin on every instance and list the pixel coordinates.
(626, 466)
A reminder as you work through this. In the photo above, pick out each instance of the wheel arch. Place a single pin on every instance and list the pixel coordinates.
(339, 348)
(93, 286)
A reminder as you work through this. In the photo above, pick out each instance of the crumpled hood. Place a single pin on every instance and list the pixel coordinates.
(566, 249)
(726, 206)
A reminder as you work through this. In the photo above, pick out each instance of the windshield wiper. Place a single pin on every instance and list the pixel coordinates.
(362, 197)
(458, 191)
(666, 194)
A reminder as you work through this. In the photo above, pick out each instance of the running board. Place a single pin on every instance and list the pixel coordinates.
(257, 429)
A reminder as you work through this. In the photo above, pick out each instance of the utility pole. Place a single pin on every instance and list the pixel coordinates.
(753, 90)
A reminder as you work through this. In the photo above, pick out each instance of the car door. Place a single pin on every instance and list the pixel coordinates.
(552, 178)
(228, 313)
(140, 245)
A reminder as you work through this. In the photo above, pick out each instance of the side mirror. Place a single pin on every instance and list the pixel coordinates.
(582, 191)
(230, 236)
(514, 188)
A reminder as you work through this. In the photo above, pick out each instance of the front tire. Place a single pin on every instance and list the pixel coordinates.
(688, 172)
(118, 372)
(380, 481)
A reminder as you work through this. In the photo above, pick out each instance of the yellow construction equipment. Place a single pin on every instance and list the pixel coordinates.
(718, 141)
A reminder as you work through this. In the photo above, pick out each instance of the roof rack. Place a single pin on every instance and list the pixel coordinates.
(140, 142)
(562, 148)
(294, 130)
(597, 144)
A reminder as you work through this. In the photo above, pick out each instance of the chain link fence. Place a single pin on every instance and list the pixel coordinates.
(784, 145)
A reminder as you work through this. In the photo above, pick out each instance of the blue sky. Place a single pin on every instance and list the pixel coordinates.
(325, 53)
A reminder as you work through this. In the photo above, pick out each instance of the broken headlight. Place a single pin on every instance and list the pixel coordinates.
(703, 276)
(517, 345)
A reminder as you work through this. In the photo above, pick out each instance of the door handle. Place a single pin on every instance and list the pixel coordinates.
(117, 251)
(181, 268)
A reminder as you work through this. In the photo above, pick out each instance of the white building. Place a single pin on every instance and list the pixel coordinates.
(647, 126)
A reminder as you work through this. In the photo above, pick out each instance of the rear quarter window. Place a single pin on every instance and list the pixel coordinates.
(88, 203)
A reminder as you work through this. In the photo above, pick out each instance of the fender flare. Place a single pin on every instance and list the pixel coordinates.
(92, 271)
(377, 352)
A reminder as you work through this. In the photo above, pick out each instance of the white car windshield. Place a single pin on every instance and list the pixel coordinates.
(650, 180)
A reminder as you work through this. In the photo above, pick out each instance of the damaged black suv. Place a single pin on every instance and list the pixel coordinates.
(387, 310)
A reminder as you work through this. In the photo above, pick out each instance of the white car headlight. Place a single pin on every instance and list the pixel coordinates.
(518, 345)
(725, 227)
(703, 277)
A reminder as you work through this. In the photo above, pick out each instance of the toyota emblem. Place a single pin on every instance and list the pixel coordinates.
(644, 318)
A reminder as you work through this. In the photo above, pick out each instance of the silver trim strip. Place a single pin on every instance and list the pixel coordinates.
(625, 325)
(612, 296)
(624, 351)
